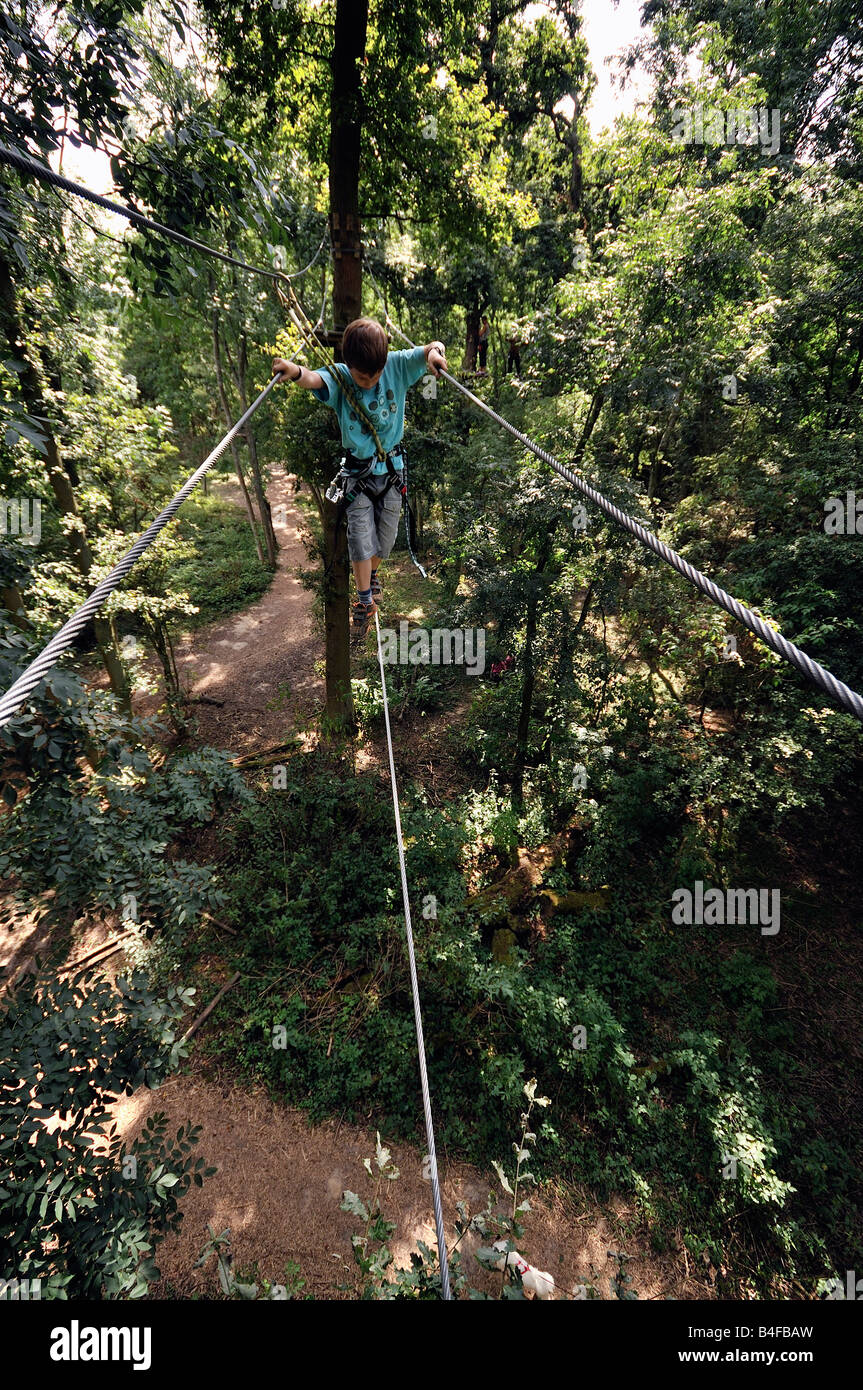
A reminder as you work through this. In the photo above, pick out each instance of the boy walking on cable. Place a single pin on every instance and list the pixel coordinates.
(367, 391)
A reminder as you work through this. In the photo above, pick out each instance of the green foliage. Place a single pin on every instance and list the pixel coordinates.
(685, 1058)
(242, 1287)
(422, 1282)
(220, 571)
(82, 1211)
(92, 814)
(641, 276)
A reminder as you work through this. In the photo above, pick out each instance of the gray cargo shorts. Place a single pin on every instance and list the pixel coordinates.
(373, 522)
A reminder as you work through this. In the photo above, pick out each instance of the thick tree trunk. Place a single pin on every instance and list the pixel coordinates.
(346, 121)
(58, 477)
(340, 704)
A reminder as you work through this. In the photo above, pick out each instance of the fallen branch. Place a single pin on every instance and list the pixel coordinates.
(217, 922)
(97, 955)
(247, 760)
(209, 1009)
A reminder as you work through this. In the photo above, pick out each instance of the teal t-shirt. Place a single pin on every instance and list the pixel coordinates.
(384, 403)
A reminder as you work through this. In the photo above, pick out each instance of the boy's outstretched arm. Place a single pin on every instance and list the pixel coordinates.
(436, 357)
(300, 376)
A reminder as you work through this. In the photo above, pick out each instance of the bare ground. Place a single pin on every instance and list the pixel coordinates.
(279, 1186)
(252, 675)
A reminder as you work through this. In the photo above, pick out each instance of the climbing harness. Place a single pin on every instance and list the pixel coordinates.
(418, 1022)
(352, 478)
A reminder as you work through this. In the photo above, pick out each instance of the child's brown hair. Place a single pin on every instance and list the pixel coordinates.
(365, 346)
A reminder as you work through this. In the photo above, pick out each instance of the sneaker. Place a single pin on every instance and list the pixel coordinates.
(377, 588)
(363, 615)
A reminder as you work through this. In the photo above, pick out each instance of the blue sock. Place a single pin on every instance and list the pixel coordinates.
(365, 596)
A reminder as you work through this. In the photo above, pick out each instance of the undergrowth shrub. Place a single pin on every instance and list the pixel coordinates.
(80, 1210)
(664, 1049)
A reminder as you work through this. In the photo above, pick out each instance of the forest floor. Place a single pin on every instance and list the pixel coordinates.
(255, 677)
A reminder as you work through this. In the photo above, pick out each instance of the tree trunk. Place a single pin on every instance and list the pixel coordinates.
(346, 122)
(529, 681)
(471, 341)
(655, 464)
(61, 486)
(12, 600)
(235, 453)
(488, 47)
(260, 494)
(160, 639)
(593, 411)
(340, 702)
(575, 192)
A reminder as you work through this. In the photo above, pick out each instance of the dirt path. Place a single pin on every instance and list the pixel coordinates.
(279, 1186)
(257, 667)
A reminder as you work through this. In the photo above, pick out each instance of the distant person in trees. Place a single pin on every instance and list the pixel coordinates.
(482, 342)
(513, 361)
(367, 391)
(500, 668)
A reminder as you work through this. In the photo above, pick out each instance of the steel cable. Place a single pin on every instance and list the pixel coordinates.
(62, 640)
(424, 1081)
(815, 673)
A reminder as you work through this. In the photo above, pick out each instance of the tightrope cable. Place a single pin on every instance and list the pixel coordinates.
(62, 640)
(415, 991)
(815, 673)
(26, 165)
(296, 274)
